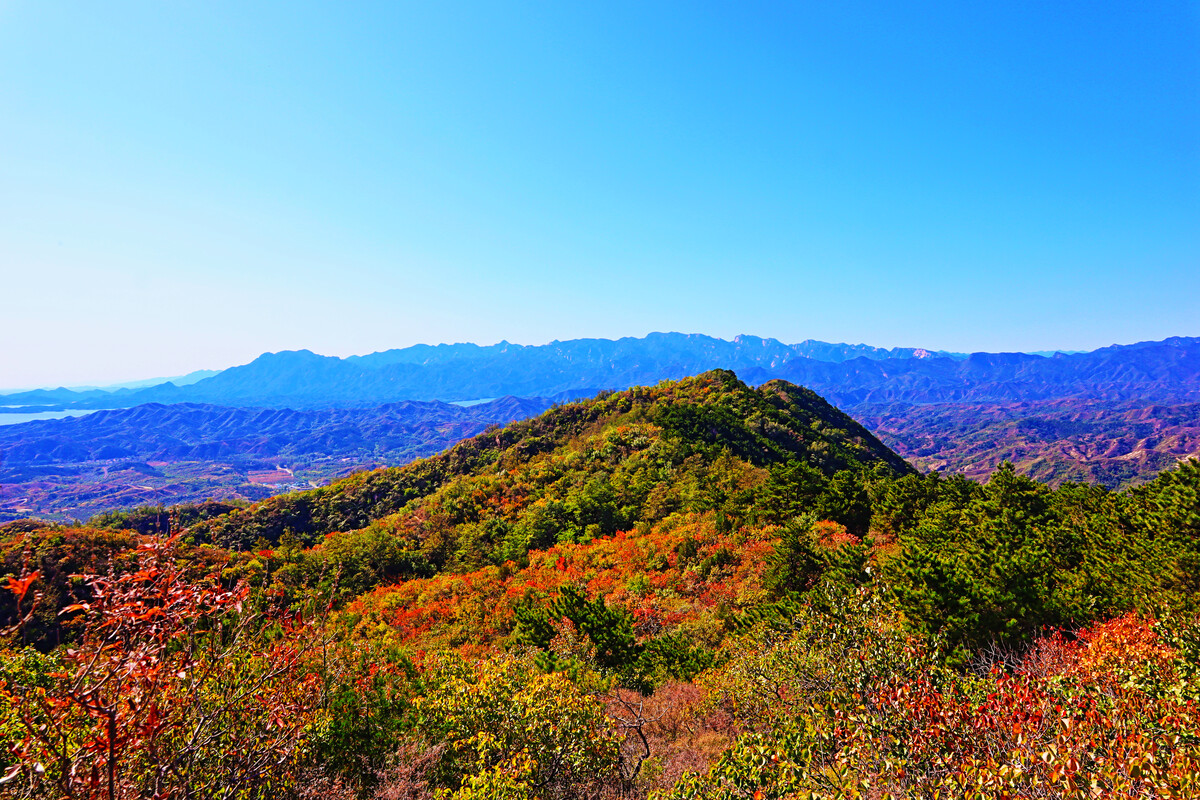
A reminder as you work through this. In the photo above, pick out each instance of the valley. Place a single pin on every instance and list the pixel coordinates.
(1113, 444)
(162, 455)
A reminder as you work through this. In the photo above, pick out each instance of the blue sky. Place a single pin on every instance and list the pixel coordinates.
(185, 185)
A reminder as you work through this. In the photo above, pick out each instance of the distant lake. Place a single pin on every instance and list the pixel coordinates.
(14, 418)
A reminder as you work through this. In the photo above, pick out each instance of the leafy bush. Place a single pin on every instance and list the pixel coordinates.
(510, 730)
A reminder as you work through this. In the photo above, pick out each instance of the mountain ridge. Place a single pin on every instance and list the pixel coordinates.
(1167, 371)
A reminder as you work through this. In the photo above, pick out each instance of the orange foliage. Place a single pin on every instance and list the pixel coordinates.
(643, 573)
(1125, 645)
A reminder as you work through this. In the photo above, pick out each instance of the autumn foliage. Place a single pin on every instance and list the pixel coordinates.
(173, 688)
(697, 590)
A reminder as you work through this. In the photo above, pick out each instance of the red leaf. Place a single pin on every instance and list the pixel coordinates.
(20, 587)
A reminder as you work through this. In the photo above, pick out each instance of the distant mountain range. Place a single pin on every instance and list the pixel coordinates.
(1160, 372)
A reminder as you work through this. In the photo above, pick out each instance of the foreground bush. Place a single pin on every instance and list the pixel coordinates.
(837, 708)
(174, 688)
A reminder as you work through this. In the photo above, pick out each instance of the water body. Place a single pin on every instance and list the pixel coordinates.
(14, 418)
(469, 403)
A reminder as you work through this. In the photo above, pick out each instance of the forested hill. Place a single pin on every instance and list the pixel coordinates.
(588, 468)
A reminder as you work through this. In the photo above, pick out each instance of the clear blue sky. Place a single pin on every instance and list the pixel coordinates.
(188, 184)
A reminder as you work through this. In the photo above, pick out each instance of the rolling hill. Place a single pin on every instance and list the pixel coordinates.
(585, 469)
(1112, 444)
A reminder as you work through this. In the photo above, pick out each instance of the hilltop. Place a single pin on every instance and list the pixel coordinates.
(588, 468)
